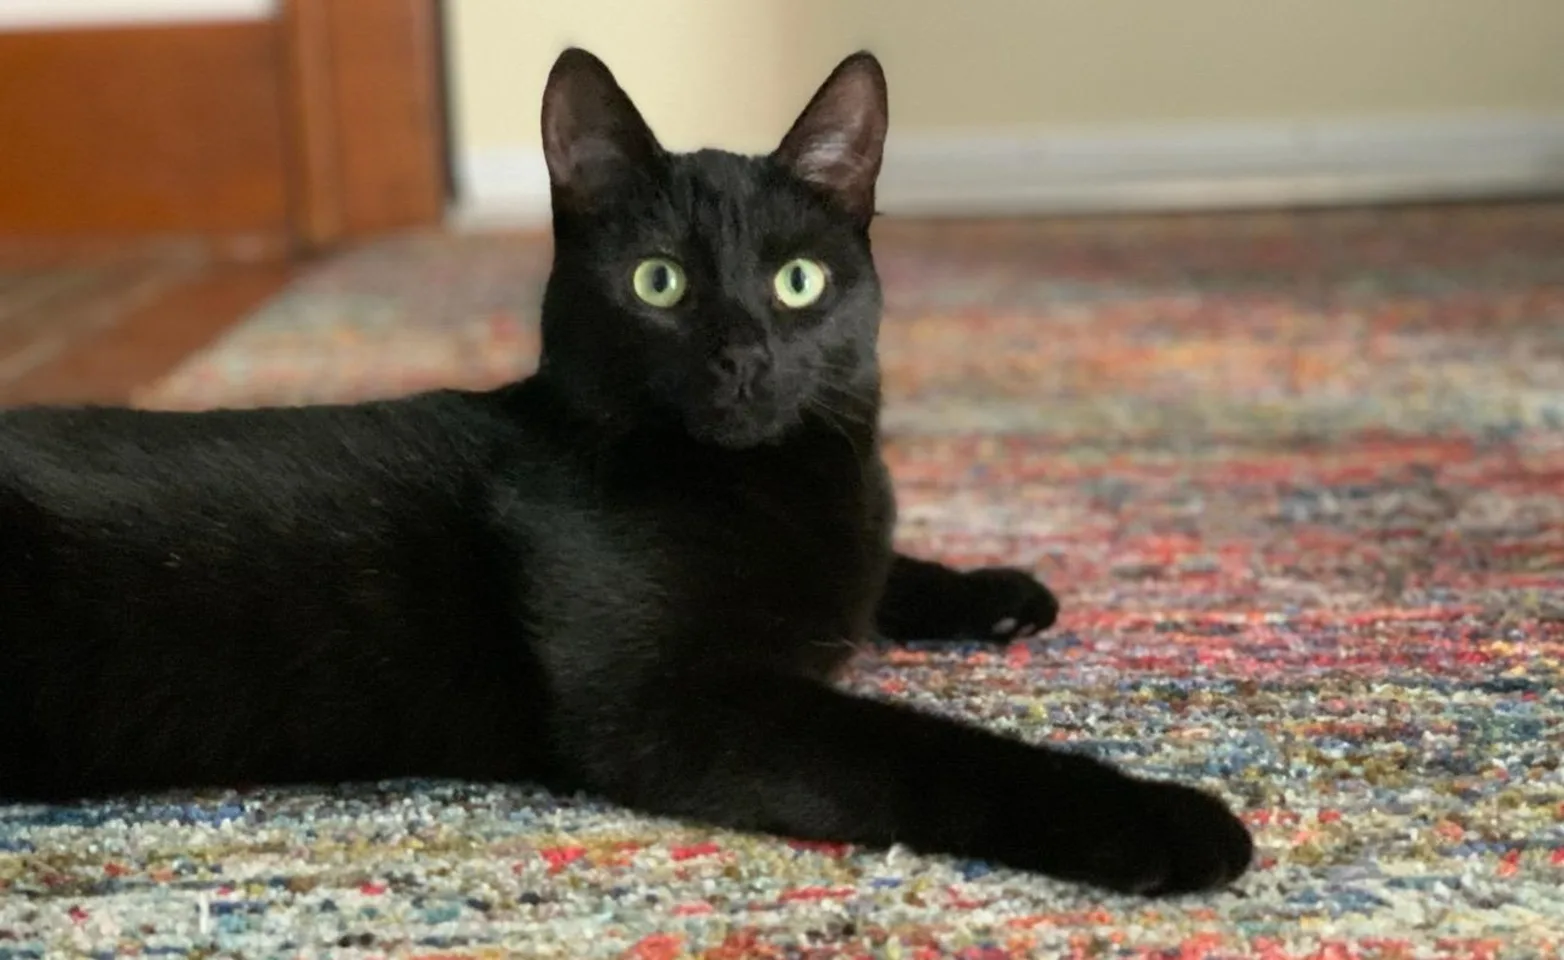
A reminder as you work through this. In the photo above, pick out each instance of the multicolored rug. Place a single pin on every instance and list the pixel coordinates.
(1298, 478)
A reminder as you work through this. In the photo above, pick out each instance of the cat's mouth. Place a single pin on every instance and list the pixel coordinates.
(742, 429)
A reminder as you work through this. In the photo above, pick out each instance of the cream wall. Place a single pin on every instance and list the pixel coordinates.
(1099, 62)
(701, 71)
(733, 73)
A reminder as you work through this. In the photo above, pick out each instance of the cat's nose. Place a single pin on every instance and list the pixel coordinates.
(742, 366)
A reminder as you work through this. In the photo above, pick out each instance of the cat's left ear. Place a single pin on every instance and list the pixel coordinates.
(593, 136)
(837, 142)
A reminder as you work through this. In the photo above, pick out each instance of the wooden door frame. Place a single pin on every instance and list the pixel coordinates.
(364, 104)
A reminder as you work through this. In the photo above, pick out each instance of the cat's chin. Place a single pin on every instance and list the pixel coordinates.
(735, 434)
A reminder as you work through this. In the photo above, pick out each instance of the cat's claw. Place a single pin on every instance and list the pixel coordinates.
(1011, 602)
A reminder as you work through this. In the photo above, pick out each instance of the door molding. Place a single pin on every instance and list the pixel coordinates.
(364, 103)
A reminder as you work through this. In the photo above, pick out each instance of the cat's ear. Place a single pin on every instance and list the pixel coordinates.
(837, 142)
(593, 137)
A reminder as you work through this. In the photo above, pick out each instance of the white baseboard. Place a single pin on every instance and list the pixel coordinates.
(501, 188)
(1151, 168)
(59, 14)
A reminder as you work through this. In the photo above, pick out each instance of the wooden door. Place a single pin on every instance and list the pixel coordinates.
(259, 137)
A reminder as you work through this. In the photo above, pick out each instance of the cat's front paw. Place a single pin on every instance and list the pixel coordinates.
(1177, 840)
(1003, 604)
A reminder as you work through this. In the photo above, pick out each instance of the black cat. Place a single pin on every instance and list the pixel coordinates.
(633, 573)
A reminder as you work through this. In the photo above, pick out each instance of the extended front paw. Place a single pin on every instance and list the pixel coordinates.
(1004, 603)
(1170, 839)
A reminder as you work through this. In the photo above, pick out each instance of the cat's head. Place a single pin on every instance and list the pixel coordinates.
(731, 296)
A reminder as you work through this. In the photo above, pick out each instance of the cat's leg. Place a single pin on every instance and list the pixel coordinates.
(929, 601)
(784, 755)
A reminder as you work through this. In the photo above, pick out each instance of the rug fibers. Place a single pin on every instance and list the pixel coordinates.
(1299, 479)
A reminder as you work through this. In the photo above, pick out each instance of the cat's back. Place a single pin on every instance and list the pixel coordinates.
(78, 459)
(261, 594)
(107, 501)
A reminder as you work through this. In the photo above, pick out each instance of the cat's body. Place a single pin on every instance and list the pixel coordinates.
(403, 575)
(633, 573)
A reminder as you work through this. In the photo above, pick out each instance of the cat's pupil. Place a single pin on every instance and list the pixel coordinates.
(662, 279)
(796, 279)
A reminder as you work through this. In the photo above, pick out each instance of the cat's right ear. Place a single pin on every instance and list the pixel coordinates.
(593, 137)
(836, 144)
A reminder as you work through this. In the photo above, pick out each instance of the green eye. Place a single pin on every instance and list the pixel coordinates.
(659, 282)
(799, 283)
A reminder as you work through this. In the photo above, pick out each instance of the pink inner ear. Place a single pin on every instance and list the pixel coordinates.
(824, 157)
(842, 162)
(586, 153)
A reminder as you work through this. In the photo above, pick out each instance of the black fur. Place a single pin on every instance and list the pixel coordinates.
(633, 573)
